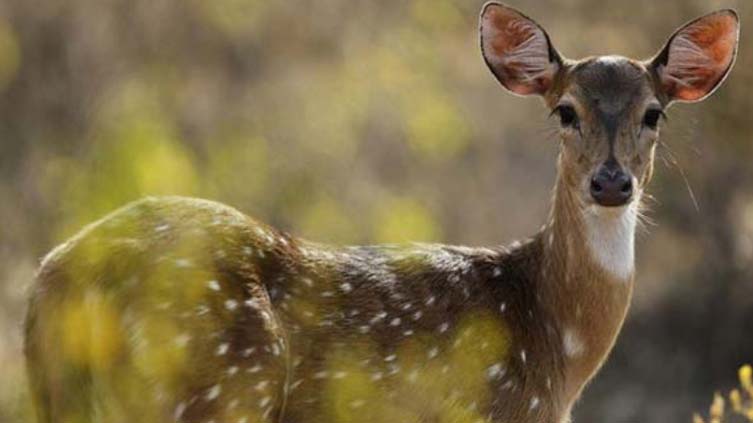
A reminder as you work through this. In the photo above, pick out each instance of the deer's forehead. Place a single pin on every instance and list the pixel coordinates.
(609, 85)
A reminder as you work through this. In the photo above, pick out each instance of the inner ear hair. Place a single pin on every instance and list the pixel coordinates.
(517, 50)
(697, 57)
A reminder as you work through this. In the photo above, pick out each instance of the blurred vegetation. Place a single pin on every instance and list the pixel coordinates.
(362, 121)
(737, 406)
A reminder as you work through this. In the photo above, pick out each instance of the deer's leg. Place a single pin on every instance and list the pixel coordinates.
(238, 373)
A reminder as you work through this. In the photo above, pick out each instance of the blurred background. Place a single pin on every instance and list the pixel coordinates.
(353, 121)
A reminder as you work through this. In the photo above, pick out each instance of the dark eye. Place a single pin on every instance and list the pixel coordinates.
(651, 118)
(567, 115)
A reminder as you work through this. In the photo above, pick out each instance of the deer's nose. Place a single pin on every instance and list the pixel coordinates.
(611, 186)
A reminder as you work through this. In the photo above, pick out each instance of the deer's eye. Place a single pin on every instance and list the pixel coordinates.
(651, 118)
(568, 117)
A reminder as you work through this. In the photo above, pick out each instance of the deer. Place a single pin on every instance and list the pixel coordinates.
(187, 310)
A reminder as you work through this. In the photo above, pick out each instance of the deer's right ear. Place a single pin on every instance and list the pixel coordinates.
(517, 50)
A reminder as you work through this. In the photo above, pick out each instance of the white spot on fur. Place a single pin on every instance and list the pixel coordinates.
(394, 369)
(213, 285)
(572, 343)
(275, 349)
(248, 351)
(264, 401)
(222, 349)
(231, 304)
(495, 371)
(534, 403)
(433, 352)
(611, 236)
(213, 392)
(379, 316)
(179, 411)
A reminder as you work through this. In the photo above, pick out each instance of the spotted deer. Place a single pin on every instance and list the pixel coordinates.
(185, 310)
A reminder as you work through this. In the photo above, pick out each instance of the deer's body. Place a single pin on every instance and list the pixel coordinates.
(185, 310)
(266, 321)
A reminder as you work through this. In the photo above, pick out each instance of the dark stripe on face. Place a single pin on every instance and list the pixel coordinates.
(611, 88)
(610, 123)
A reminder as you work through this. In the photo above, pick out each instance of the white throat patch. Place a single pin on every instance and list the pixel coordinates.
(610, 234)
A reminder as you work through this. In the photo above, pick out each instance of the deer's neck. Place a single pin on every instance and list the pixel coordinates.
(587, 275)
(590, 238)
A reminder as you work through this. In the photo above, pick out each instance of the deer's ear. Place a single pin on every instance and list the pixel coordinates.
(698, 56)
(517, 50)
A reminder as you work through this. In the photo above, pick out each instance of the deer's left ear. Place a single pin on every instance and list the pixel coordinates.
(517, 50)
(697, 57)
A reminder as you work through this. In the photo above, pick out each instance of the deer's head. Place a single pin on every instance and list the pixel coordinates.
(609, 107)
